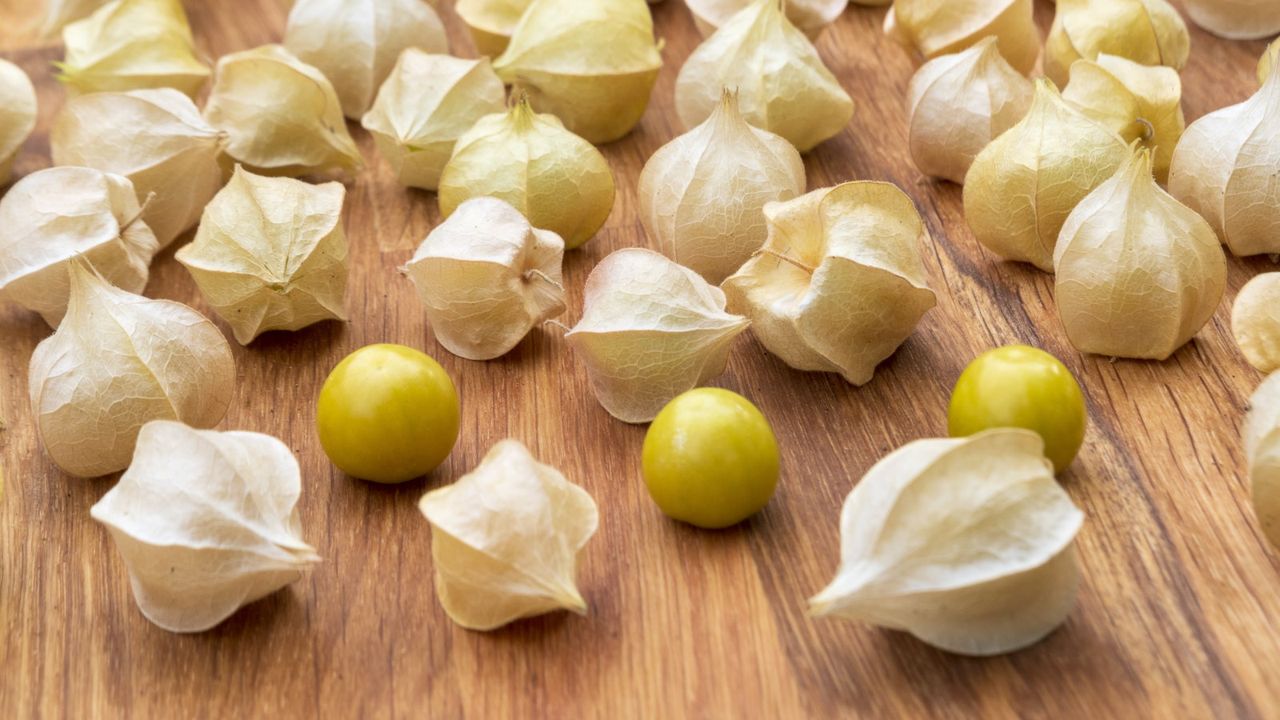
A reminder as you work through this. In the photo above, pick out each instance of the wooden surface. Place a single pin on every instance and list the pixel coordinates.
(1177, 614)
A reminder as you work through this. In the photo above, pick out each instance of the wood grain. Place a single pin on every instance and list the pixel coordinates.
(1177, 615)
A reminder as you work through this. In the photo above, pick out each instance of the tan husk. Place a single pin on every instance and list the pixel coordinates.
(701, 196)
(207, 522)
(1262, 453)
(650, 330)
(965, 543)
(130, 45)
(1255, 321)
(17, 114)
(505, 539)
(157, 139)
(1138, 273)
(783, 87)
(942, 27)
(59, 13)
(487, 277)
(1150, 32)
(116, 362)
(491, 22)
(809, 16)
(51, 216)
(1236, 19)
(1268, 61)
(839, 283)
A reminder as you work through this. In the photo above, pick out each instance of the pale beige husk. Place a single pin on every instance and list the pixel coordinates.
(1236, 19)
(650, 330)
(131, 45)
(958, 104)
(1150, 32)
(425, 105)
(1022, 186)
(117, 362)
(557, 180)
(810, 16)
(1262, 453)
(943, 27)
(702, 195)
(1267, 63)
(207, 522)
(1138, 273)
(592, 64)
(59, 13)
(1226, 167)
(839, 283)
(965, 543)
(1255, 321)
(782, 85)
(157, 139)
(487, 277)
(17, 114)
(491, 22)
(505, 539)
(52, 216)
(281, 115)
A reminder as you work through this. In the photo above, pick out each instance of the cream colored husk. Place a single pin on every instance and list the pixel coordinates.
(17, 114)
(1150, 32)
(810, 16)
(1262, 454)
(942, 27)
(131, 45)
(1255, 321)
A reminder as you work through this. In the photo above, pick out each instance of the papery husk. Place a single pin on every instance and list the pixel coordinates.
(505, 539)
(1262, 454)
(958, 104)
(17, 114)
(355, 43)
(557, 180)
(650, 330)
(117, 362)
(839, 283)
(809, 16)
(943, 27)
(1149, 32)
(487, 277)
(1022, 186)
(702, 195)
(59, 13)
(782, 85)
(157, 139)
(1236, 19)
(965, 543)
(1138, 273)
(1268, 62)
(1226, 169)
(592, 64)
(207, 522)
(52, 216)
(131, 45)
(1255, 321)
(491, 22)
(425, 105)
(281, 115)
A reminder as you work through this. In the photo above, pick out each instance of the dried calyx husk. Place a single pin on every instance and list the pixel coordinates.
(271, 254)
(783, 87)
(157, 139)
(491, 22)
(1255, 321)
(207, 522)
(1262, 453)
(839, 283)
(958, 104)
(487, 277)
(1226, 167)
(941, 27)
(701, 195)
(810, 16)
(281, 115)
(592, 64)
(59, 13)
(51, 216)
(1268, 61)
(505, 539)
(1138, 273)
(17, 114)
(131, 45)
(557, 180)
(650, 330)
(965, 543)
(117, 362)
(1236, 19)
(422, 109)
(1023, 185)
(1150, 32)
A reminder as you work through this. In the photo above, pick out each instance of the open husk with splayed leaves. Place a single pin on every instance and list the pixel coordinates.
(505, 539)
(941, 27)
(1236, 19)
(131, 45)
(17, 114)
(1150, 32)
(1255, 321)
(491, 22)
(809, 16)
(1262, 453)
(207, 522)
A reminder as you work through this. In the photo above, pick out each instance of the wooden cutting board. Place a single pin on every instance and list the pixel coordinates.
(1177, 615)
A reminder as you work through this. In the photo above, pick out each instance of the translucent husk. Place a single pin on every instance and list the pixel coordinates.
(59, 13)
(271, 254)
(487, 277)
(1022, 186)
(1149, 32)
(965, 543)
(839, 283)
(557, 180)
(1268, 62)
(1226, 167)
(505, 539)
(650, 330)
(131, 45)
(1255, 321)
(17, 114)
(157, 139)
(1262, 453)
(783, 87)
(1236, 19)
(491, 22)
(809, 16)
(281, 115)
(702, 195)
(1138, 273)
(51, 216)
(117, 362)
(943, 27)
(355, 44)
(207, 522)
(958, 104)
(425, 105)
(592, 64)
